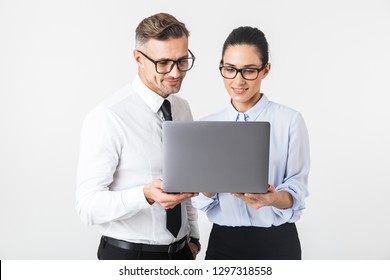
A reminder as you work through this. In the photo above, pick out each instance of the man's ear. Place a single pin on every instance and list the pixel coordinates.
(137, 58)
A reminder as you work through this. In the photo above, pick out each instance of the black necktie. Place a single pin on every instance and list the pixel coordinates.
(174, 214)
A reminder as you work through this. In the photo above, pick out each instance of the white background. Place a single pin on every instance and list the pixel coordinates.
(330, 60)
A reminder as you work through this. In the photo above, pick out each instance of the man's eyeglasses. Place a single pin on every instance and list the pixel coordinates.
(229, 72)
(165, 66)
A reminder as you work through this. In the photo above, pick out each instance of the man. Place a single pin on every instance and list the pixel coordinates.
(119, 187)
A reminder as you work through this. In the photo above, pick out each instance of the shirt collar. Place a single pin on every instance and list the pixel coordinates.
(252, 114)
(152, 99)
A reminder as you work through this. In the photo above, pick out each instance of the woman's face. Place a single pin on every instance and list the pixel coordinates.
(244, 93)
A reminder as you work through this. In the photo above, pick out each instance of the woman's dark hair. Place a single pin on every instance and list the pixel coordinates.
(246, 35)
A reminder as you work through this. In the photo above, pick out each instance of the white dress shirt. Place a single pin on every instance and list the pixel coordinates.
(288, 168)
(120, 153)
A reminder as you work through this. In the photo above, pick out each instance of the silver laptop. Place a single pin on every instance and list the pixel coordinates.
(216, 156)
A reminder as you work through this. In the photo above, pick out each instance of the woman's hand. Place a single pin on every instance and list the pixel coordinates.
(280, 199)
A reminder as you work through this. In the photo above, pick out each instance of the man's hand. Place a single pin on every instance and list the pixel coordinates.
(154, 193)
(194, 249)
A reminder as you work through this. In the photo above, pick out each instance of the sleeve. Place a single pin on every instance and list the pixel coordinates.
(192, 219)
(297, 170)
(204, 203)
(100, 149)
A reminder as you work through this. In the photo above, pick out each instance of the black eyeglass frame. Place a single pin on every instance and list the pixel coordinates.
(240, 71)
(175, 62)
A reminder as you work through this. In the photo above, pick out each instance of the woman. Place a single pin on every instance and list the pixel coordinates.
(258, 226)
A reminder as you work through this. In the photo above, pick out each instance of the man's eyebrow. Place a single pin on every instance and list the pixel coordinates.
(170, 59)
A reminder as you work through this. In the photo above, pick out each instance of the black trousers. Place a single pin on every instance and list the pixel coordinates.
(254, 243)
(107, 251)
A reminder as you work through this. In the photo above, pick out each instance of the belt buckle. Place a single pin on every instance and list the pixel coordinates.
(172, 248)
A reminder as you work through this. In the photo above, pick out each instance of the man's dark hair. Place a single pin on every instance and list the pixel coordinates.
(160, 26)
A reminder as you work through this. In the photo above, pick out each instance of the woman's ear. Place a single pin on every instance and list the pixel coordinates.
(266, 70)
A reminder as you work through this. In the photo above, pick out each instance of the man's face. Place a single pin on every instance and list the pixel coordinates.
(173, 49)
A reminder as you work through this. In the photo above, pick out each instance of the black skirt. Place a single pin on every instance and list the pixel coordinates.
(254, 243)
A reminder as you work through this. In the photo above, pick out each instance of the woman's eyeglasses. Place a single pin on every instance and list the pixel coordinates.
(229, 72)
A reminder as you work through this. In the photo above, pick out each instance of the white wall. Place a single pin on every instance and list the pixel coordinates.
(330, 60)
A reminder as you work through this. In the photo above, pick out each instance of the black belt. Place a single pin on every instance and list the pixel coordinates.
(171, 248)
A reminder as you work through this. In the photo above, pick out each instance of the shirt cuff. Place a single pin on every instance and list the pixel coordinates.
(203, 202)
(296, 199)
(134, 198)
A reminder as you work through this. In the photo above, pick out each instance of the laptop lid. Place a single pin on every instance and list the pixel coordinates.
(216, 156)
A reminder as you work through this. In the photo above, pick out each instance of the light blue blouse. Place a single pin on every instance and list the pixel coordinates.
(288, 168)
